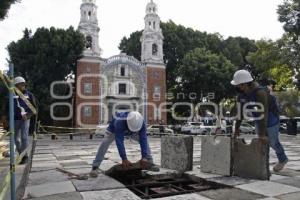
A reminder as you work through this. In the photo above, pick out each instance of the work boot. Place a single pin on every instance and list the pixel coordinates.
(24, 160)
(153, 168)
(280, 165)
(95, 171)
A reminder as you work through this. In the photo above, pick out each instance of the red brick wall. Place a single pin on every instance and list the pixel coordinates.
(156, 77)
(94, 69)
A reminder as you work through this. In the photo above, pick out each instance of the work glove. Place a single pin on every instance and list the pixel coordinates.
(126, 164)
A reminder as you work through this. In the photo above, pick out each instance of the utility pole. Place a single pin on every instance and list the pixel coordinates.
(12, 133)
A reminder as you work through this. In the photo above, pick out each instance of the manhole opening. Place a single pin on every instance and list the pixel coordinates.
(152, 187)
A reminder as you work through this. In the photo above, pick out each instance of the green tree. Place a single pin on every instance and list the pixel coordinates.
(204, 72)
(4, 7)
(132, 45)
(236, 49)
(289, 15)
(269, 62)
(179, 40)
(47, 56)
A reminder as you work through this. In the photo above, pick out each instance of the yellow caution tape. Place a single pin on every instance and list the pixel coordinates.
(15, 91)
(5, 185)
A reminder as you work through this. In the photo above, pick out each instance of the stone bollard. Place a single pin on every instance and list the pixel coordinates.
(251, 160)
(177, 153)
(216, 155)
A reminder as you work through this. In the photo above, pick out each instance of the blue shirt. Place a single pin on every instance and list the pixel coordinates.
(20, 105)
(118, 126)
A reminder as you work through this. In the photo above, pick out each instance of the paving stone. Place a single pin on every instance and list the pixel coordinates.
(216, 155)
(251, 160)
(291, 196)
(102, 182)
(292, 181)
(198, 175)
(49, 189)
(230, 193)
(51, 176)
(276, 177)
(77, 167)
(185, 197)
(64, 196)
(230, 180)
(69, 163)
(72, 157)
(117, 194)
(162, 174)
(269, 189)
(84, 170)
(177, 153)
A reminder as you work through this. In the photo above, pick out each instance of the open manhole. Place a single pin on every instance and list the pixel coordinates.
(147, 187)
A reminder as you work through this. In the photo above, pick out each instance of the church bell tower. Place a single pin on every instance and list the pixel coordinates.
(153, 57)
(89, 27)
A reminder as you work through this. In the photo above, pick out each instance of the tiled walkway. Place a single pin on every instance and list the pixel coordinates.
(45, 183)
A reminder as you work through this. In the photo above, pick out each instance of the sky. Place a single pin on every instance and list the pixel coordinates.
(255, 19)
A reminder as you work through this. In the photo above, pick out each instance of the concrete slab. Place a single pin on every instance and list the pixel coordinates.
(117, 194)
(230, 193)
(51, 176)
(177, 153)
(201, 175)
(185, 197)
(162, 174)
(230, 180)
(291, 196)
(64, 196)
(49, 189)
(292, 181)
(269, 189)
(102, 182)
(216, 155)
(69, 163)
(251, 160)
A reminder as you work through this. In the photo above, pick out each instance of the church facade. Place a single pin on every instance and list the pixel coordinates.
(121, 82)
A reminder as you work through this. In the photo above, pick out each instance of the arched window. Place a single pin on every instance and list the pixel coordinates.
(89, 42)
(154, 49)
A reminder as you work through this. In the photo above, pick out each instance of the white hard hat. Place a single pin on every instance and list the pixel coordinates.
(135, 121)
(241, 76)
(19, 79)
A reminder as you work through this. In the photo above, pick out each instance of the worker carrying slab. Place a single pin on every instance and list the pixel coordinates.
(267, 122)
(125, 124)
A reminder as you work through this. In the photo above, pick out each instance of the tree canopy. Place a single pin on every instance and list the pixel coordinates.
(4, 7)
(180, 40)
(48, 55)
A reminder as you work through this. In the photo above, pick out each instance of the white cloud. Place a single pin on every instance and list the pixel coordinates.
(255, 19)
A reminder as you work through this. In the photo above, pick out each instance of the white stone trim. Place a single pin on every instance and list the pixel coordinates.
(159, 66)
(90, 60)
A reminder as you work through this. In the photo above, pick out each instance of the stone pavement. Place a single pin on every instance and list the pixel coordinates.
(45, 183)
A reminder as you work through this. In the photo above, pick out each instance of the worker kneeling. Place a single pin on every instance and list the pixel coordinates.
(125, 124)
